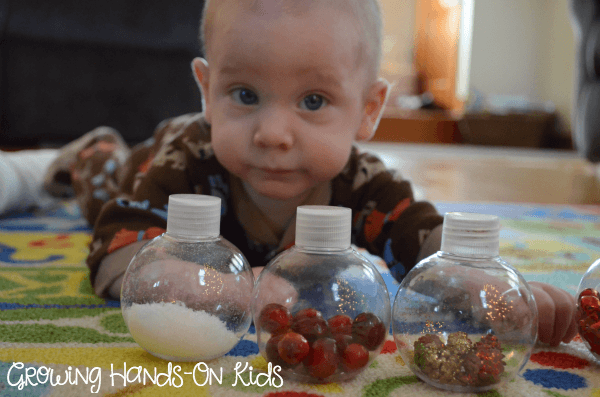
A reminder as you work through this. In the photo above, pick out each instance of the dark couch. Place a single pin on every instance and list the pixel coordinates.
(586, 26)
(68, 66)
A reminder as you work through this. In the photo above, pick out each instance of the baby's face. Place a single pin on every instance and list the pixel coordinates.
(285, 97)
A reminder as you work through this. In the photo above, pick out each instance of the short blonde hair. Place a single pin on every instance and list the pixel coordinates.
(366, 12)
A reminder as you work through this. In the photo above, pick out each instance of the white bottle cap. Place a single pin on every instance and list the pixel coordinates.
(470, 234)
(194, 215)
(321, 226)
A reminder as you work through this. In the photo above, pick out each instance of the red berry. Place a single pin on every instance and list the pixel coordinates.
(355, 357)
(310, 324)
(590, 304)
(293, 348)
(322, 360)
(342, 341)
(309, 312)
(589, 292)
(368, 330)
(340, 324)
(275, 318)
(272, 351)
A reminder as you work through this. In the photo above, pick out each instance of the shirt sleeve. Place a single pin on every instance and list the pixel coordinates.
(387, 221)
(142, 215)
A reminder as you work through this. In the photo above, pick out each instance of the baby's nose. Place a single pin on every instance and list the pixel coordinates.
(274, 130)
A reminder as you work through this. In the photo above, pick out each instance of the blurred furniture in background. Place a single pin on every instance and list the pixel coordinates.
(68, 66)
(418, 125)
(437, 50)
(586, 128)
(457, 112)
(423, 106)
(517, 129)
(514, 129)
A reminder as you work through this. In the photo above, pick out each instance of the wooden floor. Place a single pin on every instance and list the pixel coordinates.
(450, 172)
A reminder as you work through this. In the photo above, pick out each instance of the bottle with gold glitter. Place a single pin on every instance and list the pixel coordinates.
(588, 309)
(464, 319)
(321, 310)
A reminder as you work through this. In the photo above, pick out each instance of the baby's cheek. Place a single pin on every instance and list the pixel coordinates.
(226, 154)
(331, 164)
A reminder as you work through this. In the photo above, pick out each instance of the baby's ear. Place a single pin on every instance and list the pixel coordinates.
(375, 100)
(200, 71)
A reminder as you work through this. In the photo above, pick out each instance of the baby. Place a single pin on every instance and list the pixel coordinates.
(288, 87)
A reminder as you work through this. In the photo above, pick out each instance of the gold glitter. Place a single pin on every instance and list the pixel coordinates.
(347, 299)
(459, 362)
(496, 304)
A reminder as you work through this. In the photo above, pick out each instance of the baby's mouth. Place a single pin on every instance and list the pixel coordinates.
(275, 170)
(276, 173)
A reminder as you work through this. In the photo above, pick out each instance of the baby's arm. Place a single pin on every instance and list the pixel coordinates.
(112, 270)
(432, 243)
(113, 267)
(140, 214)
(430, 246)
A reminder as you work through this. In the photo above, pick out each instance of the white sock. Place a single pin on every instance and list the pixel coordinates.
(22, 177)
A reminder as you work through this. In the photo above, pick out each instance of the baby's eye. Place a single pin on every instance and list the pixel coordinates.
(245, 96)
(313, 102)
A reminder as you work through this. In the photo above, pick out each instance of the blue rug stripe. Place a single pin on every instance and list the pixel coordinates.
(555, 379)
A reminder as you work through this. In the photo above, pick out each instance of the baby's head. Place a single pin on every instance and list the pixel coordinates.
(288, 86)
(366, 13)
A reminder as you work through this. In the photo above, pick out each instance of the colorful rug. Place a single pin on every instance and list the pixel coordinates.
(58, 339)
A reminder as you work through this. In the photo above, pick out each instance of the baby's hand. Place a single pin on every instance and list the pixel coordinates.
(556, 313)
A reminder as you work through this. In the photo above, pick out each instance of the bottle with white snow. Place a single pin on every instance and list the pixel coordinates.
(186, 294)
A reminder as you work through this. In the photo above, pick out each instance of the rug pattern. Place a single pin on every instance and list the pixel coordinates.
(58, 339)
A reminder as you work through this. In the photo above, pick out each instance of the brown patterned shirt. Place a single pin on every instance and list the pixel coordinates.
(179, 159)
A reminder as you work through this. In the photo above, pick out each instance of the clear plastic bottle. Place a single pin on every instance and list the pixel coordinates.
(186, 294)
(588, 308)
(463, 319)
(321, 310)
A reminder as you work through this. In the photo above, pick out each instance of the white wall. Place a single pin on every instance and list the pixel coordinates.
(505, 50)
(558, 68)
(399, 37)
(519, 47)
(526, 48)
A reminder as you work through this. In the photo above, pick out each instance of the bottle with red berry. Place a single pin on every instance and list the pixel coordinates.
(463, 319)
(333, 319)
(588, 309)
